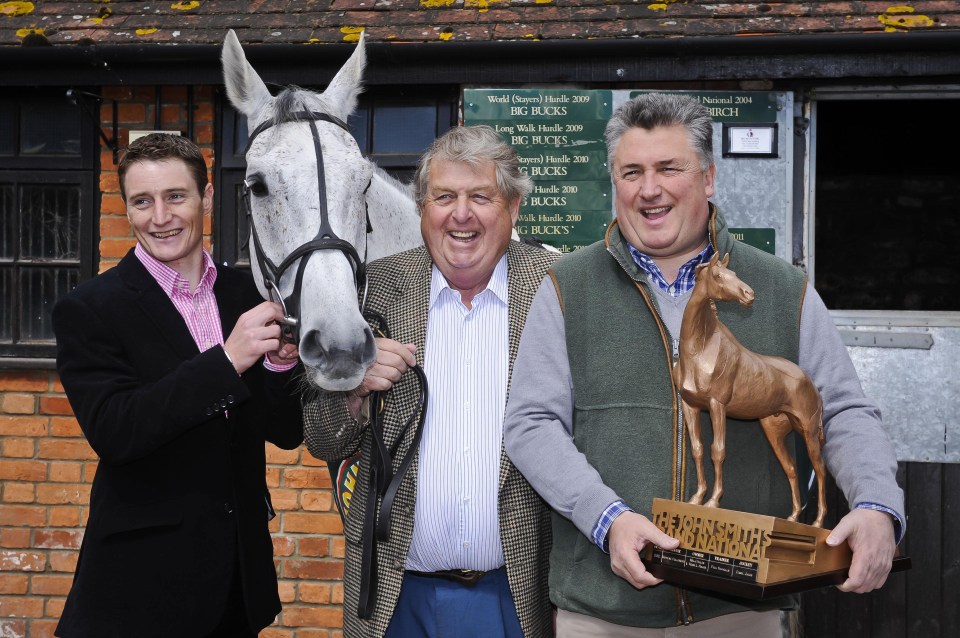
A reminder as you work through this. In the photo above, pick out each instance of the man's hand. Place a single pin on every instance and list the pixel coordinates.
(870, 535)
(628, 535)
(393, 359)
(255, 334)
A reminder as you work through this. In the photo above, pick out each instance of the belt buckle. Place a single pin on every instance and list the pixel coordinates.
(468, 577)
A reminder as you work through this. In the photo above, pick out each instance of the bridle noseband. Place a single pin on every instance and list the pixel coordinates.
(325, 239)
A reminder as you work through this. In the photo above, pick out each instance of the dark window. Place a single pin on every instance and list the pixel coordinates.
(47, 196)
(887, 196)
(391, 127)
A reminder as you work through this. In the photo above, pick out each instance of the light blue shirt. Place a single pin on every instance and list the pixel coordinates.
(466, 360)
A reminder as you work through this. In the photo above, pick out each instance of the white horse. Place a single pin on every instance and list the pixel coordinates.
(288, 134)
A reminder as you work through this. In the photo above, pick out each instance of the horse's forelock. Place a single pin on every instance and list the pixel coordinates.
(293, 101)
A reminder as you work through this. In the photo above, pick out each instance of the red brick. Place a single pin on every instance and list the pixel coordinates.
(287, 591)
(131, 113)
(13, 628)
(22, 515)
(65, 516)
(312, 616)
(90, 470)
(109, 183)
(116, 248)
(18, 492)
(314, 593)
(314, 546)
(21, 561)
(317, 501)
(57, 539)
(282, 457)
(50, 585)
(312, 569)
(115, 227)
(63, 561)
(18, 448)
(22, 380)
(339, 547)
(284, 499)
(310, 523)
(273, 477)
(18, 403)
(14, 537)
(55, 405)
(23, 470)
(283, 546)
(54, 607)
(13, 584)
(65, 426)
(309, 461)
(306, 477)
(65, 449)
(22, 426)
(65, 472)
(63, 493)
(42, 628)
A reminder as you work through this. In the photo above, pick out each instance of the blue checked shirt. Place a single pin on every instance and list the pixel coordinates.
(682, 285)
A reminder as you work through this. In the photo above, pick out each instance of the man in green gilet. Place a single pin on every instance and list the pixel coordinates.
(593, 419)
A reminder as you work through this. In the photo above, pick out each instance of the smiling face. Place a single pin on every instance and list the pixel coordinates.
(661, 195)
(166, 210)
(466, 223)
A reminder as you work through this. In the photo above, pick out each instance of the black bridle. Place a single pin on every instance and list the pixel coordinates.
(384, 480)
(325, 239)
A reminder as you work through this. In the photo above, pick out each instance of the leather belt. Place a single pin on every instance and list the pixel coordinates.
(468, 577)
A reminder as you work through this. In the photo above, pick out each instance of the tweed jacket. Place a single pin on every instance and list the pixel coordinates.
(179, 500)
(400, 291)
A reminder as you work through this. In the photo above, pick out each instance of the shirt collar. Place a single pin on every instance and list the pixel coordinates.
(686, 277)
(169, 279)
(497, 284)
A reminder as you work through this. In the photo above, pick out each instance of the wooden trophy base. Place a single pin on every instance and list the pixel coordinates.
(746, 555)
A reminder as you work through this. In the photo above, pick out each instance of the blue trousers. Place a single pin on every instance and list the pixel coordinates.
(440, 608)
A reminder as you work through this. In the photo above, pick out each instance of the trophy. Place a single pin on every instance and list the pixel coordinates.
(739, 553)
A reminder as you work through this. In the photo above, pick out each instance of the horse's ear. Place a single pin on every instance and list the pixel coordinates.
(246, 91)
(726, 260)
(347, 84)
(713, 260)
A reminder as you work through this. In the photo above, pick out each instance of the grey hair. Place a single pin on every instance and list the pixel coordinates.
(651, 110)
(474, 145)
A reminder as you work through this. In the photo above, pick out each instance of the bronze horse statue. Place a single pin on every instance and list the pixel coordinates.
(715, 372)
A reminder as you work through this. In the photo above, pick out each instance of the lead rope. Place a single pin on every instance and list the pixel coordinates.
(384, 482)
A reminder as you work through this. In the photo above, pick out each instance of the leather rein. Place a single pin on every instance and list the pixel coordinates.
(384, 481)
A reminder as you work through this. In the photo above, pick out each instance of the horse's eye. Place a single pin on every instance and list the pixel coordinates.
(257, 185)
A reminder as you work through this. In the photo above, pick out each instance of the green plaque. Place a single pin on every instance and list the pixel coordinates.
(558, 135)
(565, 231)
(763, 238)
(535, 105)
(590, 195)
(754, 107)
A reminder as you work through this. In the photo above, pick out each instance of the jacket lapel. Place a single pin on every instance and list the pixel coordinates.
(156, 306)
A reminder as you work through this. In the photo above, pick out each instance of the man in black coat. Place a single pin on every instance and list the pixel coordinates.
(177, 542)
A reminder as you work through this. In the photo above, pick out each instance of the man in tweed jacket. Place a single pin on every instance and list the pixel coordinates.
(469, 539)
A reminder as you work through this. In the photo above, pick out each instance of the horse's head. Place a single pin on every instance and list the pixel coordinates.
(721, 283)
(305, 191)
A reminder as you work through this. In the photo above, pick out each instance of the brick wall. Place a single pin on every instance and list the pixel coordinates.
(46, 466)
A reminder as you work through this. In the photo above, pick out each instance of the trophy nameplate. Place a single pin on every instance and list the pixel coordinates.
(746, 555)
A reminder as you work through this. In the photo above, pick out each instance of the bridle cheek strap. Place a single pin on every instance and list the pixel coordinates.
(325, 239)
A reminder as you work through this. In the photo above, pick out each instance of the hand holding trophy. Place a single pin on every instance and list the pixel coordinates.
(737, 552)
